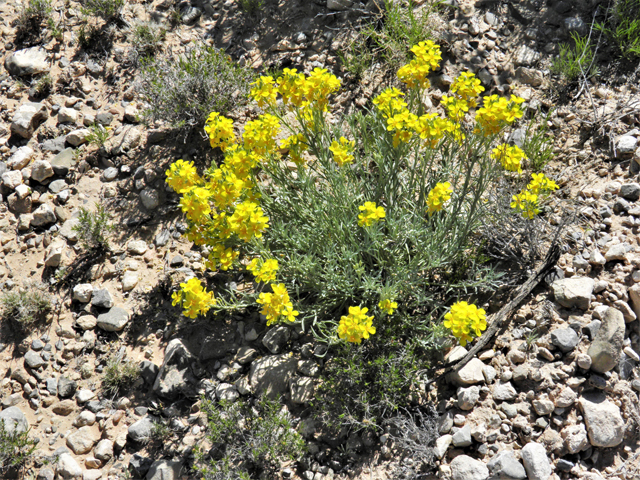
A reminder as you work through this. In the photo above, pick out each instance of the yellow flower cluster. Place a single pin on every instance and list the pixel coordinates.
(296, 89)
(356, 326)
(438, 196)
(387, 306)
(295, 144)
(277, 305)
(182, 175)
(403, 124)
(371, 214)
(496, 112)
(195, 202)
(467, 87)
(260, 135)
(509, 156)
(389, 102)
(456, 107)
(220, 131)
(264, 271)
(427, 58)
(194, 298)
(432, 128)
(526, 202)
(221, 257)
(342, 151)
(465, 321)
(248, 221)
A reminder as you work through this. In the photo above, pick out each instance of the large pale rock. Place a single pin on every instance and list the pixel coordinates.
(63, 162)
(604, 422)
(470, 374)
(27, 62)
(67, 230)
(43, 215)
(14, 420)
(12, 179)
(464, 467)
(20, 158)
(270, 375)
(114, 320)
(574, 292)
(503, 392)
(68, 468)
(634, 296)
(67, 115)
(41, 170)
(607, 345)
(174, 376)
(536, 462)
(505, 466)
(53, 253)
(78, 137)
(140, 431)
(104, 450)
(82, 293)
(27, 118)
(164, 470)
(575, 438)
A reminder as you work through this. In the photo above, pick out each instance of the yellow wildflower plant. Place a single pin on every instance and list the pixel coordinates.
(276, 305)
(295, 145)
(248, 221)
(465, 321)
(182, 175)
(221, 257)
(540, 184)
(342, 151)
(260, 135)
(389, 102)
(356, 325)
(319, 85)
(371, 213)
(387, 306)
(195, 203)
(510, 157)
(468, 87)
(438, 196)
(427, 58)
(220, 131)
(194, 298)
(526, 204)
(456, 107)
(292, 86)
(496, 112)
(265, 91)
(263, 271)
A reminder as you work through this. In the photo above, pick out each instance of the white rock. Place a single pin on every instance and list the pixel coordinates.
(104, 450)
(12, 179)
(503, 392)
(53, 253)
(468, 397)
(604, 422)
(565, 398)
(41, 170)
(129, 281)
(137, 247)
(78, 137)
(82, 292)
(470, 374)
(574, 292)
(464, 467)
(82, 440)
(43, 215)
(22, 191)
(85, 418)
(575, 438)
(67, 115)
(84, 395)
(536, 462)
(20, 158)
(442, 445)
(68, 468)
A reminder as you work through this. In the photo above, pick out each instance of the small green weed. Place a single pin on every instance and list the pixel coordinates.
(538, 143)
(105, 9)
(160, 432)
(15, 447)
(146, 40)
(55, 30)
(575, 60)
(250, 6)
(249, 442)
(35, 13)
(623, 27)
(26, 305)
(119, 374)
(43, 86)
(93, 228)
(98, 136)
(357, 58)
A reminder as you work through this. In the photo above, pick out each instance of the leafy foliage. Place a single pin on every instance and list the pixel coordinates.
(575, 60)
(93, 228)
(15, 447)
(247, 441)
(105, 9)
(146, 40)
(26, 305)
(183, 90)
(623, 27)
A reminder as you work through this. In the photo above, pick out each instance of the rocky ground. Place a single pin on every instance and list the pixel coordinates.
(556, 394)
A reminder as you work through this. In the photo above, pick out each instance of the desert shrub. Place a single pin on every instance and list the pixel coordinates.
(363, 228)
(42, 86)
(248, 441)
(105, 9)
(250, 6)
(622, 26)
(15, 447)
(119, 374)
(160, 432)
(184, 89)
(98, 136)
(575, 60)
(94, 227)
(146, 40)
(30, 21)
(26, 305)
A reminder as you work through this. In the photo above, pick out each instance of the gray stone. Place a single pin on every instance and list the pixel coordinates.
(137, 247)
(175, 377)
(503, 392)
(102, 298)
(109, 174)
(615, 252)
(129, 280)
(104, 450)
(270, 375)
(464, 467)
(536, 462)
(86, 418)
(27, 118)
(20, 158)
(57, 185)
(104, 118)
(54, 145)
(66, 387)
(227, 392)
(12, 179)
(605, 425)
(67, 115)
(462, 438)
(64, 408)
(276, 338)
(526, 56)
(574, 292)
(575, 24)
(125, 141)
(470, 374)
(566, 339)
(68, 468)
(150, 198)
(19, 205)
(607, 346)
(630, 191)
(43, 215)
(84, 395)
(46, 474)
(579, 262)
(219, 343)
(139, 465)
(301, 390)
(575, 438)
(162, 238)
(63, 162)
(114, 320)
(626, 144)
(67, 230)
(339, 4)
(505, 466)
(164, 470)
(140, 431)
(33, 359)
(468, 397)
(529, 76)
(14, 420)
(634, 296)
(27, 62)
(41, 170)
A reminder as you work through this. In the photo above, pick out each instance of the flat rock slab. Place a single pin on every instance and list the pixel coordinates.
(607, 345)
(27, 62)
(270, 375)
(574, 292)
(605, 425)
(114, 320)
(27, 118)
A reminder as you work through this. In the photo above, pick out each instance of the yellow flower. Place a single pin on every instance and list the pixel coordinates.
(356, 325)
(260, 135)
(468, 87)
(540, 183)
(220, 131)
(195, 203)
(248, 221)
(509, 156)
(276, 305)
(465, 320)
(388, 306)
(263, 271)
(526, 203)
(342, 151)
(264, 92)
(195, 299)
(496, 112)
(456, 107)
(370, 214)
(182, 175)
(438, 196)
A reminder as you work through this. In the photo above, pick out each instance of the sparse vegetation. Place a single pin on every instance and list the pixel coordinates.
(146, 40)
(15, 447)
(99, 135)
(119, 374)
(575, 60)
(42, 86)
(105, 9)
(26, 305)
(623, 27)
(36, 12)
(248, 442)
(160, 432)
(93, 228)
(183, 90)
(538, 144)
(250, 6)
